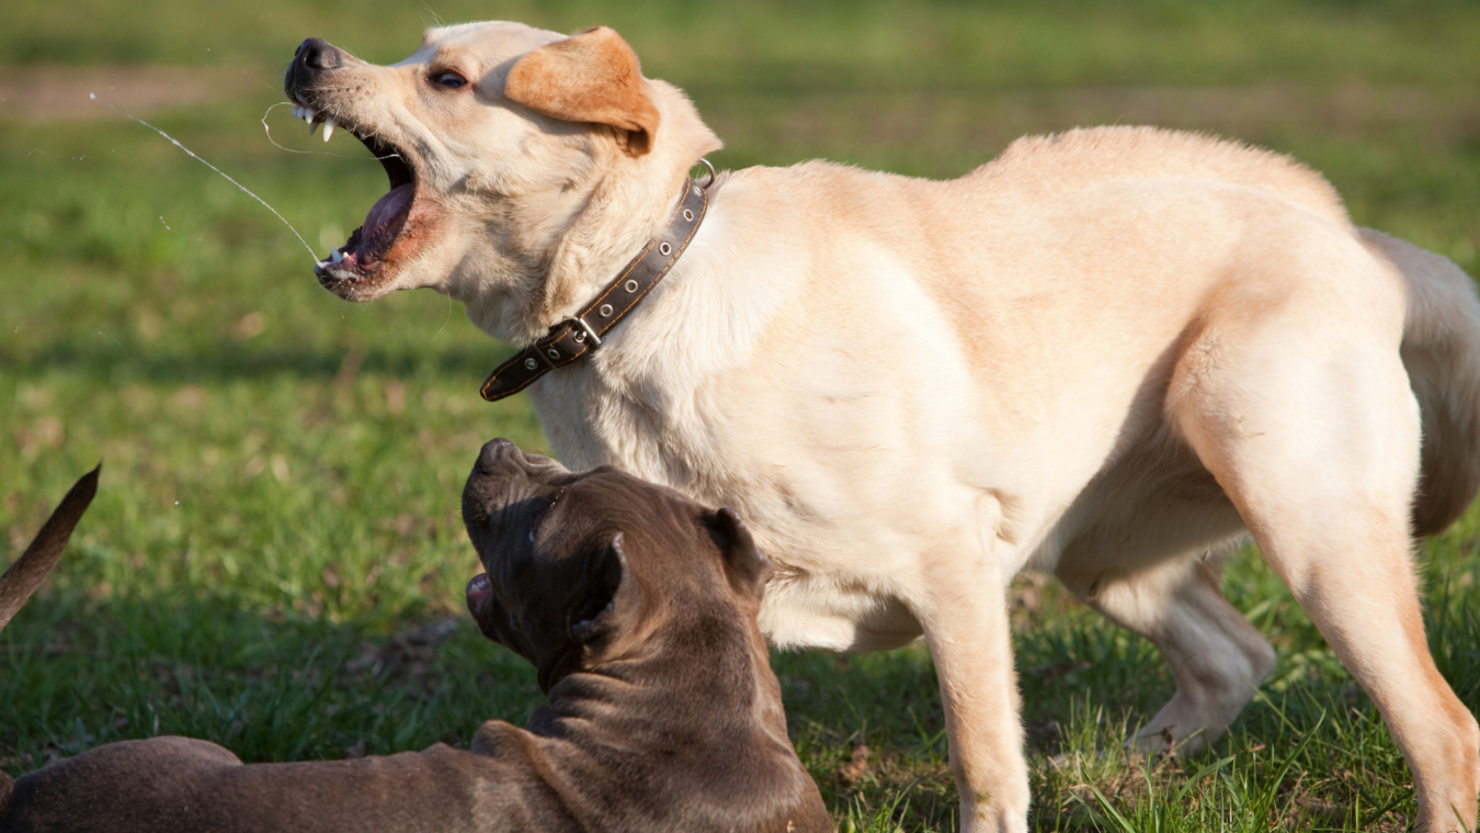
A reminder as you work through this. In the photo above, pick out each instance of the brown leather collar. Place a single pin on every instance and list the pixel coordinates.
(576, 336)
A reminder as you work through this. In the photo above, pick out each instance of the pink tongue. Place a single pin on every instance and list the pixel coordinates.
(479, 588)
(386, 208)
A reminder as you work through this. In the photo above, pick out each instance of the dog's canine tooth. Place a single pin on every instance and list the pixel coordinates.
(336, 256)
(328, 128)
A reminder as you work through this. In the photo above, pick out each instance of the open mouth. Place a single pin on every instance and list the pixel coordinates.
(351, 266)
(481, 606)
(480, 594)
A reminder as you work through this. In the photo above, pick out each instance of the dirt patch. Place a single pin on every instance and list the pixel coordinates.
(51, 93)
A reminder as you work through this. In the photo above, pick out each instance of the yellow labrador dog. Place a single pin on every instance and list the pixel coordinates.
(1108, 353)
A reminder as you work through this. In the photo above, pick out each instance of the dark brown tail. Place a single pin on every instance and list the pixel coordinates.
(27, 573)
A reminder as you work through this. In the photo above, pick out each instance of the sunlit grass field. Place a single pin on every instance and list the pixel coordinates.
(275, 559)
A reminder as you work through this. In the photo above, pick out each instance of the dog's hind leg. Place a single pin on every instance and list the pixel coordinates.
(1216, 657)
(1301, 409)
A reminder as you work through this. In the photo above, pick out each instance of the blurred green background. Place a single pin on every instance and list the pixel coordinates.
(275, 560)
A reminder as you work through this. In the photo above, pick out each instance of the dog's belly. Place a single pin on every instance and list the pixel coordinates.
(1152, 503)
(808, 610)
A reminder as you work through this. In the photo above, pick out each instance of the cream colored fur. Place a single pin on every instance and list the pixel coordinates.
(1108, 354)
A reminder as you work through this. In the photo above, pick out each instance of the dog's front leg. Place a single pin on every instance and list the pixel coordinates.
(966, 626)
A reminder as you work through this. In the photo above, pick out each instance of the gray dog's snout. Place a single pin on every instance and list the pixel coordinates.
(493, 452)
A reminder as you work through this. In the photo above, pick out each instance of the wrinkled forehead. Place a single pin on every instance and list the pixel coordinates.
(513, 492)
(647, 514)
(478, 48)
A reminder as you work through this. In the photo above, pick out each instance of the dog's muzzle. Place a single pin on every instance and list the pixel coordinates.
(314, 57)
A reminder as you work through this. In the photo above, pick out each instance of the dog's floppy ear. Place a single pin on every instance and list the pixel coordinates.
(603, 592)
(747, 568)
(592, 76)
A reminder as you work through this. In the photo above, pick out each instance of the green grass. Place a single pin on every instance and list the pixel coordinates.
(275, 560)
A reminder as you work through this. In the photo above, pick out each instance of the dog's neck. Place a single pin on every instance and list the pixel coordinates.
(618, 221)
(576, 335)
(700, 715)
(533, 275)
(732, 677)
(552, 252)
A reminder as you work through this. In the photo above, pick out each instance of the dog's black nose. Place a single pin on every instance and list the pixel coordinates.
(316, 54)
(494, 451)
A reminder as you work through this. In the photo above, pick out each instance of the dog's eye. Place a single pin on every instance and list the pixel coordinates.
(450, 80)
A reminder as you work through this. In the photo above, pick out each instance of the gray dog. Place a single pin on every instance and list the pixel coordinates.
(636, 605)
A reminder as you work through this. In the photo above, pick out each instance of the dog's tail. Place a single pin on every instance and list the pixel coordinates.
(27, 573)
(1441, 351)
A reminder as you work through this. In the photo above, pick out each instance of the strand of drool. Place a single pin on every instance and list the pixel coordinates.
(176, 143)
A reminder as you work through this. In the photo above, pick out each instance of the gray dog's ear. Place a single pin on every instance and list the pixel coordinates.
(595, 603)
(747, 569)
(592, 76)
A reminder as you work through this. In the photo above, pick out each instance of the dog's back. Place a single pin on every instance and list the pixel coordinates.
(1086, 157)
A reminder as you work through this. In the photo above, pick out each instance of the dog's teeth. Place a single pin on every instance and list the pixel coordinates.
(328, 128)
(336, 256)
(297, 112)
